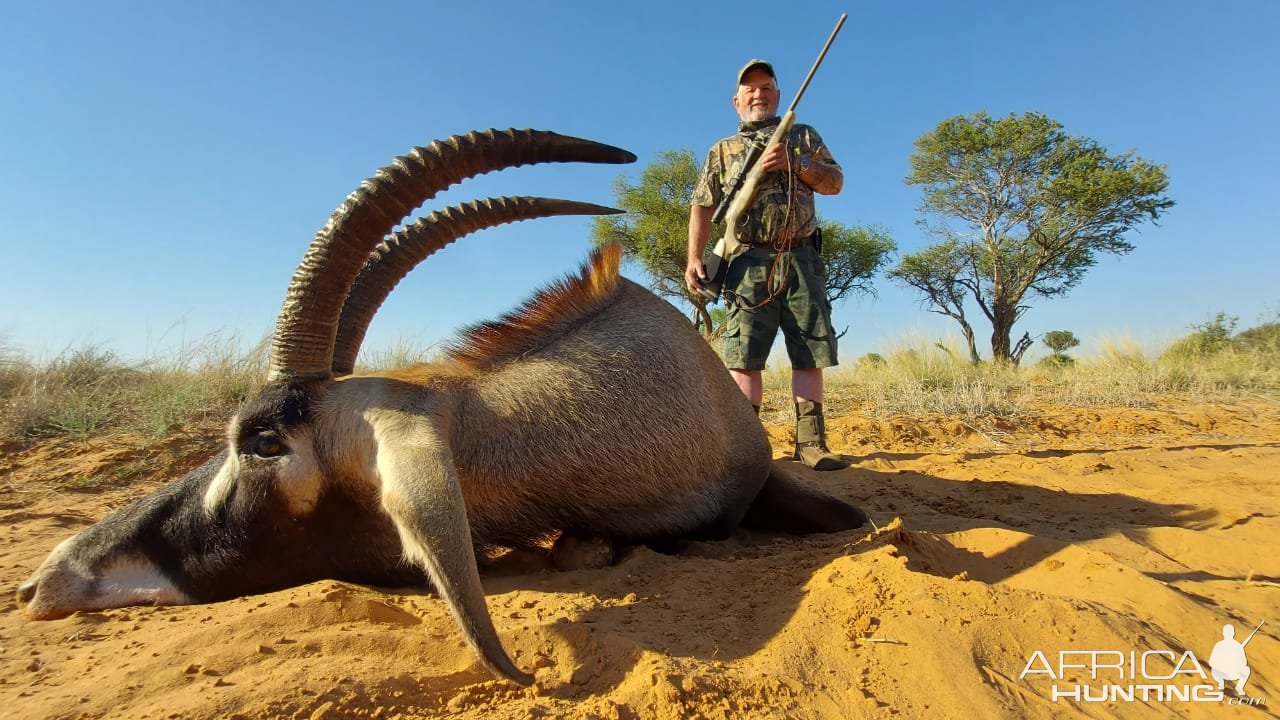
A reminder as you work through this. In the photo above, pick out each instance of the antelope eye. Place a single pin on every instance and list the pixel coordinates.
(266, 445)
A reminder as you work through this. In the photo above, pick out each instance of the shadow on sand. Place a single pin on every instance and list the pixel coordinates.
(634, 608)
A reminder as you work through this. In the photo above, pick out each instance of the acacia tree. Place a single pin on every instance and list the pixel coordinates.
(655, 230)
(1060, 341)
(854, 255)
(936, 271)
(1023, 210)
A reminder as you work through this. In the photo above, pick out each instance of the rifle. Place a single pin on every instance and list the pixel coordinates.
(1255, 632)
(742, 188)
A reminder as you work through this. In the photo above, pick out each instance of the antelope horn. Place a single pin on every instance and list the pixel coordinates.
(394, 257)
(303, 342)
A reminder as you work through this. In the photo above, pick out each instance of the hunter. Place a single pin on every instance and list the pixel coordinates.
(780, 280)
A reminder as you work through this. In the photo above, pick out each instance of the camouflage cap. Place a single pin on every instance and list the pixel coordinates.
(752, 65)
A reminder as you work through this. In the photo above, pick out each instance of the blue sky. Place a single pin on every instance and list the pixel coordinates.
(164, 165)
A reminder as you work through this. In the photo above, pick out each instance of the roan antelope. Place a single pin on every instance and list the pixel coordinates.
(595, 410)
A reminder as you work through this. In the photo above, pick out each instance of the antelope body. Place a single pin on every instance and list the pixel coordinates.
(595, 410)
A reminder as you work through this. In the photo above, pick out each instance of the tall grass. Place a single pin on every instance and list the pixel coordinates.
(90, 390)
(401, 353)
(917, 378)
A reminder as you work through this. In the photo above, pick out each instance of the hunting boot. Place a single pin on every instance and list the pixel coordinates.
(811, 440)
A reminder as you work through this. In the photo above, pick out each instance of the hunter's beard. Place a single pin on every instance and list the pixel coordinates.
(758, 114)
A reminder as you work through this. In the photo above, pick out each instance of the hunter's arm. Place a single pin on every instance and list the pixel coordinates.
(823, 178)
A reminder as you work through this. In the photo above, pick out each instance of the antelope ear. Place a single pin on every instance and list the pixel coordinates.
(421, 494)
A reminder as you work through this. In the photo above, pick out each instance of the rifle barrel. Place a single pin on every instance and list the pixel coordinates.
(1255, 632)
(817, 62)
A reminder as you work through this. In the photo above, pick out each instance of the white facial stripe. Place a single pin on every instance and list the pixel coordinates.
(63, 587)
(220, 488)
(135, 581)
(297, 478)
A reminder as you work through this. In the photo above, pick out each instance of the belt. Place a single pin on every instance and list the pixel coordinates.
(802, 242)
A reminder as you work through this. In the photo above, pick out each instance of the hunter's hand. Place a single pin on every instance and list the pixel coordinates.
(695, 274)
(775, 158)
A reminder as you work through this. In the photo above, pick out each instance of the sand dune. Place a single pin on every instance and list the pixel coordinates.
(1120, 530)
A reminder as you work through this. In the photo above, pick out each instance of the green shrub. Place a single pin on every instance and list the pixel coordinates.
(1264, 338)
(1209, 338)
(1057, 361)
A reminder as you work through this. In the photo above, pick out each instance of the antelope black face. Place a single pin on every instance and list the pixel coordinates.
(267, 514)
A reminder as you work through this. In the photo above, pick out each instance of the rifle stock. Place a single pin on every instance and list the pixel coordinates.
(735, 183)
(747, 195)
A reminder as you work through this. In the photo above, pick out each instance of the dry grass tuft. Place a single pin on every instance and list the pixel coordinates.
(916, 379)
(400, 354)
(90, 391)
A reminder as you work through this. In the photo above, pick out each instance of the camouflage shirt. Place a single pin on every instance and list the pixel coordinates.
(771, 217)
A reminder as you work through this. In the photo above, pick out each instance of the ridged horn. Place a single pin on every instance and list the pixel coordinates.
(396, 256)
(302, 345)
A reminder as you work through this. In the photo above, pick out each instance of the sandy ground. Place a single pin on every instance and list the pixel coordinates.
(1137, 531)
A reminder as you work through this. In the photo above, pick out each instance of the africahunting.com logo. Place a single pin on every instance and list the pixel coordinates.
(1161, 676)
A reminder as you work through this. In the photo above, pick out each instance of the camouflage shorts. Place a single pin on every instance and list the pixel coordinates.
(801, 310)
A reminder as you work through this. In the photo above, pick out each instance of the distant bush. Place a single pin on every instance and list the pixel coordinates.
(871, 361)
(1263, 338)
(1056, 361)
(1208, 338)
